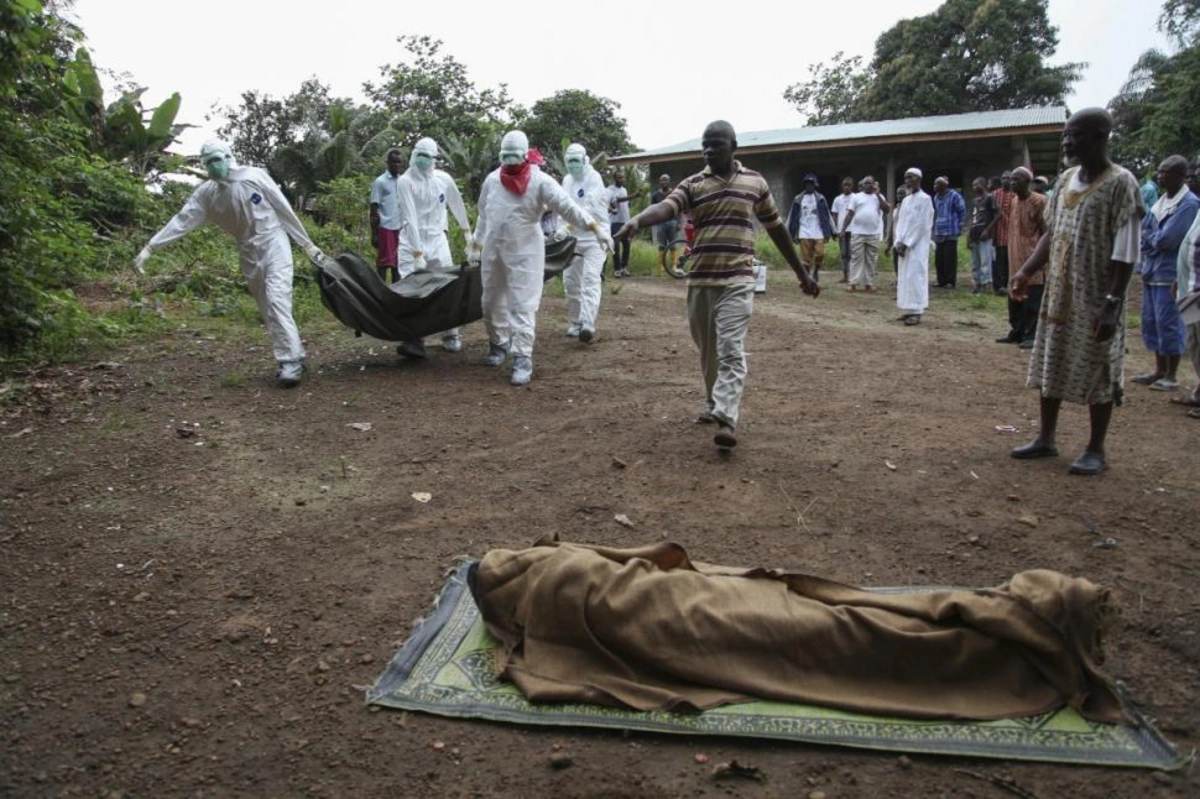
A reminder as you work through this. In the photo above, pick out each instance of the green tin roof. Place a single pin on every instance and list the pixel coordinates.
(1055, 115)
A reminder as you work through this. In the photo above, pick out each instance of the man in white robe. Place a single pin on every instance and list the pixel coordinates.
(914, 229)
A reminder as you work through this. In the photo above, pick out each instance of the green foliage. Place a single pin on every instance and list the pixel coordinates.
(430, 94)
(121, 131)
(577, 115)
(968, 55)
(833, 92)
(1153, 111)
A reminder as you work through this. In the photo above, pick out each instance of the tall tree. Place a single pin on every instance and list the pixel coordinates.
(968, 55)
(431, 94)
(577, 115)
(1155, 111)
(833, 93)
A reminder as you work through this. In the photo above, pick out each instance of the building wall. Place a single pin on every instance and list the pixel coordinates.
(960, 161)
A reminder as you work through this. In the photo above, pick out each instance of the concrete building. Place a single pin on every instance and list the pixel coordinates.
(959, 146)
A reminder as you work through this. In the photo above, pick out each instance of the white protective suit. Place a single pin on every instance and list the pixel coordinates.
(249, 206)
(914, 229)
(513, 255)
(423, 199)
(582, 279)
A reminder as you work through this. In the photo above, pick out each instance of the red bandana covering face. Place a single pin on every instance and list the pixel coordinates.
(516, 177)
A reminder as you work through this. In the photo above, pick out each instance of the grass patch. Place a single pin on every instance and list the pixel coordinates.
(231, 380)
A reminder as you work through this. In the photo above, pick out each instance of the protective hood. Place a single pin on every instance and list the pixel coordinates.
(576, 159)
(424, 155)
(217, 159)
(514, 147)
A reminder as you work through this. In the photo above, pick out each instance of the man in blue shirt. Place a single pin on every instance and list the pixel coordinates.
(1163, 231)
(385, 217)
(949, 210)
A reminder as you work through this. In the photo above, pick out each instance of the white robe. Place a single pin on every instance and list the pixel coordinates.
(914, 229)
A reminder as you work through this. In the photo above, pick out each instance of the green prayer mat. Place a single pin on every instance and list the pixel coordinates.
(447, 668)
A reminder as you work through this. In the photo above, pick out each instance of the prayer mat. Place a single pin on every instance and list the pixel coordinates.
(447, 668)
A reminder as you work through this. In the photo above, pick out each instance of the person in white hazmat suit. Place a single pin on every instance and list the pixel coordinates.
(424, 196)
(245, 203)
(914, 230)
(511, 249)
(582, 279)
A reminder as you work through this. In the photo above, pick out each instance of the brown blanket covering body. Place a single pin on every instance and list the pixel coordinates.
(649, 629)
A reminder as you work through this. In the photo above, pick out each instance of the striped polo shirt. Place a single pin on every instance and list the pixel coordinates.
(723, 212)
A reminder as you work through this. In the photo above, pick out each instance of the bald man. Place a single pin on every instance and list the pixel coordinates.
(1163, 232)
(1090, 246)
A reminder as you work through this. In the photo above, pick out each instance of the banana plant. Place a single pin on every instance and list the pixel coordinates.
(123, 131)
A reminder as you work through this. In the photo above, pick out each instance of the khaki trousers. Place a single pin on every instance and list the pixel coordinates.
(719, 317)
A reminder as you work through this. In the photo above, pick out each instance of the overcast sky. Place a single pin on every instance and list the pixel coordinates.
(655, 59)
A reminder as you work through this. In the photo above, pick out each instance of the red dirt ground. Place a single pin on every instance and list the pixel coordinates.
(194, 615)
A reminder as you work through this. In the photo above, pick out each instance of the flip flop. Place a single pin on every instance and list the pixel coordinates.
(1144, 380)
(913, 320)
(1194, 413)
(1164, 385)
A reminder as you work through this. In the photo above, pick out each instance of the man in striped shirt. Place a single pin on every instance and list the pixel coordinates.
(724, 201)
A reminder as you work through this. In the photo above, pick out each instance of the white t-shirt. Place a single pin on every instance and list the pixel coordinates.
(868, 218)
(1127, 244)
(810, 226)
(622, 214)
(839, 209)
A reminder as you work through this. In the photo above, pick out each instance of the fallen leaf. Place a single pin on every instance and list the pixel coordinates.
(23, 432)
(360, 426)
(422, 496)
(890, 465)
(622, 520)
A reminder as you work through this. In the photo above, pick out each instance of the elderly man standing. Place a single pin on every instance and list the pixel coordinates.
(864, 222)
(724, 201)
(914, 227)
(1090, 246)
(949, 210)
(1163, 231)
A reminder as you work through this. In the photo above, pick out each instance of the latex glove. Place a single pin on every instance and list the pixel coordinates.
(419, 264)
(139, 263)
(560, 234)
(603, 236)
(314, 253)
(468, 243)
(474, 251)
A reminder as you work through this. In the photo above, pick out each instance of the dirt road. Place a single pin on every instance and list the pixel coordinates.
(198, 569)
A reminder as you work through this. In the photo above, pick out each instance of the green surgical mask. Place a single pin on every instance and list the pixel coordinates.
(217, 168)
(422, 161)
(575, 168)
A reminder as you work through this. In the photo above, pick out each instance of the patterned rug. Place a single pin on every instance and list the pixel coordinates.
(446, 668)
